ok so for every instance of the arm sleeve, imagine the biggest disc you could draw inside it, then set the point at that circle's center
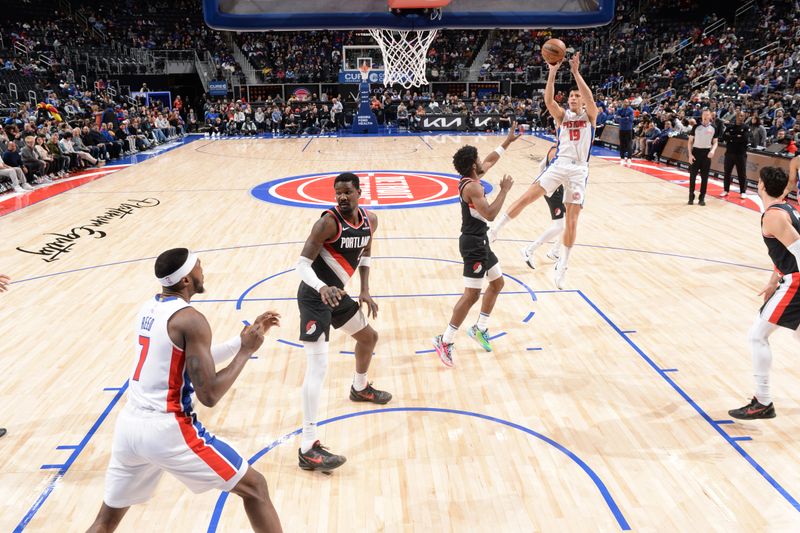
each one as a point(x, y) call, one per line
point(307, 274)
point(222, 352)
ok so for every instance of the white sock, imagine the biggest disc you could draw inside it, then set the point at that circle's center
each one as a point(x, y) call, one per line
point(483, 321)
point(502, 221)
point(758, 337)
point(551, 232)
point(449, 334)
point(317, 363)
point(562, 261)
point(360, 381)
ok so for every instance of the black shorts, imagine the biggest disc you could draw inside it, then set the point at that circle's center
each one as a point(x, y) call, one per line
point(478, 256)
point(317, 318)
point(783, 307)
point(556, 203)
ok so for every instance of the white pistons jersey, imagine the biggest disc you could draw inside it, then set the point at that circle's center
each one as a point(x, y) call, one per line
point(159, 381)
point(575, 136)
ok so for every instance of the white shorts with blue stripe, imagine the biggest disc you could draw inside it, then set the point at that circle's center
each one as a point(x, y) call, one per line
point(147, 444)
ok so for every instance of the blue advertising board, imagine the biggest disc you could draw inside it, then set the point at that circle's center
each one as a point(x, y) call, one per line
point(218, 88)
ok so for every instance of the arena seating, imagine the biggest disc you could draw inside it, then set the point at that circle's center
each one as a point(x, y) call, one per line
point(669, 57)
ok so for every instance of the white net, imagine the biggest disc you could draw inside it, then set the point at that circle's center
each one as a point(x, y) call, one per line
point(404, 53)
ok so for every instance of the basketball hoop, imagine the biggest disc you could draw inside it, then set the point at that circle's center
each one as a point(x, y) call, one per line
point(405, 51)
point(364, 68)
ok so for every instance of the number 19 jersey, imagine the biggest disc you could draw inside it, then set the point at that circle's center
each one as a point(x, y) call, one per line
point(575, 136)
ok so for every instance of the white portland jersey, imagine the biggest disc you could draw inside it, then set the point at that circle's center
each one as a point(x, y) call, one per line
point(159, 381)
point(575, 136)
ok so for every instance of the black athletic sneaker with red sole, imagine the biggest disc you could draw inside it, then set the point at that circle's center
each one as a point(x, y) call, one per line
point(753, 410)
point(319, 458)
point(370, 394)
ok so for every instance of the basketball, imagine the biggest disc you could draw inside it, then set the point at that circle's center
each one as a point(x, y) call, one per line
point(554, 51)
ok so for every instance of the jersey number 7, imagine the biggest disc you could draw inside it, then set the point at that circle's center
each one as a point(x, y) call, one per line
point(144, 342)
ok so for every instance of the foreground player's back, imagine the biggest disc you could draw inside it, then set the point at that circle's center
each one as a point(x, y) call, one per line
point(159, 382)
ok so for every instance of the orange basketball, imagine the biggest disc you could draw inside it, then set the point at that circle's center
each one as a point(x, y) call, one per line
point(554, 51)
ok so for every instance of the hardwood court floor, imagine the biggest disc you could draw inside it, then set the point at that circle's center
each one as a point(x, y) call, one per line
point(593, 414)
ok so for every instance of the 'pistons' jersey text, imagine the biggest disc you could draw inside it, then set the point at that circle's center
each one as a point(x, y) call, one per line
point(159, 381)
point(339, 257)
point(575, 136)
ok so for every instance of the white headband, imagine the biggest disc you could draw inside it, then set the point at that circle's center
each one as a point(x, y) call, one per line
point(183, 271)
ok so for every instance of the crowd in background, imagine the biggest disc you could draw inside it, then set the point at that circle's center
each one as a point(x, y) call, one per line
point(690, 70)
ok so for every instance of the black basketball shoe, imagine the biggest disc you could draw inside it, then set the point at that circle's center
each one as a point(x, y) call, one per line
point(370, 394)
point(753, 410)
point(319, 458)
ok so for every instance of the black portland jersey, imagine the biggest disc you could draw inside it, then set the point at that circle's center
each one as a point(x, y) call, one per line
point(338, 259)
point(472, 223)
point(783, 259)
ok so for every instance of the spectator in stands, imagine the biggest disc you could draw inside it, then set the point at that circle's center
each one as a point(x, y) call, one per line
point(115, 147)
point(15, 175)
point(163, 125)
point(402, 115)
point(310, 121)
point(159, 134)
point(238, 117)
point(260, 120)
point(249, 127)
point(788, 121)
point(624, 118)
point(337, 113)
point(31, 159)
point(758, 134)
point(661, 141)
point(230, 128)
point(743, 88)
point(652, 133)
point(602, 118)
point(777, 125)
point(137, 128)
point(780, 138)
point(177, 126)
point(54, 168)
point(67, 147)
point(191, 120)
point(91, 138)
point(639, 136)
point(122, 134)
point(54, 148)
point(290, 126)
point(735, 138)
point(218, 127)
point(80, 146)
point(62, 162)
point(277, 120)
point(377, 107)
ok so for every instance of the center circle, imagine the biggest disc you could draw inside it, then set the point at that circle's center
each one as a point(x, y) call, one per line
point(380, 189)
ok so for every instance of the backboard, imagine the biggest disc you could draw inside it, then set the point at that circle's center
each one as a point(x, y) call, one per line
point(260, 15)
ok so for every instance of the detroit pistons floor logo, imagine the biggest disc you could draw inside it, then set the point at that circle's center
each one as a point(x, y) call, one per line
point(380, 189)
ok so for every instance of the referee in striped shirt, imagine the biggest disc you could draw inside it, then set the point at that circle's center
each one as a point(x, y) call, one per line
point(702, 145)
